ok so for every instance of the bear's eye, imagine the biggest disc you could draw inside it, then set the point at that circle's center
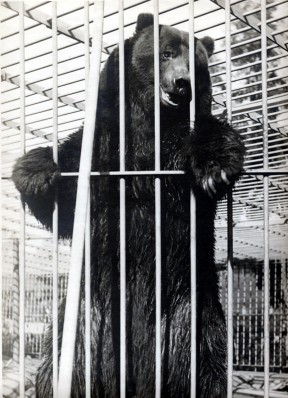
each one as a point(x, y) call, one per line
point(167, 54)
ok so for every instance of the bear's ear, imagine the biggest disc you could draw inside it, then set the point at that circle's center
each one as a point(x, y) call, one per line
point(208, 43)
point(143, 21)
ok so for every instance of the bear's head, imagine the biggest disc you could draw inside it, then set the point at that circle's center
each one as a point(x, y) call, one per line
point(175, 85)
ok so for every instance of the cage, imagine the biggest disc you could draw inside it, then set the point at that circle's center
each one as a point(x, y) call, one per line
point(44, 72)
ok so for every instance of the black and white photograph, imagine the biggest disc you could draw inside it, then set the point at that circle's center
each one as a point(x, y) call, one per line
point(144, 199)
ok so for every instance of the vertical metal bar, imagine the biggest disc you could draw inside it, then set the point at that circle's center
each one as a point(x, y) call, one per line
point(229, 213)
point(157, 85)
point(193, 295)
point(238, 322)
point(88, 303)
point(285, 342)
point(256, 315)
point(282, 309)
point(192, 61)
point(250, 312)
point(1, 257)
point(230, 296)
point(73, 291)
point(22, 211)
point(244, 311)
point(157, 204)
point(266, 198)
point(88, 226)
point(55, 212)
point(122, 203)
point(275, 315)
point(193, 360)
point(15, 301)
point(262, 316)
point(1, 272)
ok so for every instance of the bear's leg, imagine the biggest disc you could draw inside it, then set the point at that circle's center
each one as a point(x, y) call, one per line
point(212, 379)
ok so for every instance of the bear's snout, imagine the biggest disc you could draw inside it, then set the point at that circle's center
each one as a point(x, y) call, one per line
point(182, 85)
point(177, 90)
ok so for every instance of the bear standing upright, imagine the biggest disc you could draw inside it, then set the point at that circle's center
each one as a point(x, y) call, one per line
point(211, 155)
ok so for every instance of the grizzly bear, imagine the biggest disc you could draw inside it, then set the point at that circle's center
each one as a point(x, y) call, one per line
point(211, 154)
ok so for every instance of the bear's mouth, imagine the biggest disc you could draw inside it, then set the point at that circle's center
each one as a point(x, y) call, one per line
point(172, 100)
point(169, 99)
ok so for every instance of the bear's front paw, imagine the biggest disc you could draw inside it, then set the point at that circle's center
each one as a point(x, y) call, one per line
point(36, 173)
point(216, 180)
point(217, 156)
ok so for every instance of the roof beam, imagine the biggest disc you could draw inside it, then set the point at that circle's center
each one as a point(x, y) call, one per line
point(46, 20)
point(250, 243)
point(36, 133)
point(248, 109)
point(253, 22)
point(35, 88)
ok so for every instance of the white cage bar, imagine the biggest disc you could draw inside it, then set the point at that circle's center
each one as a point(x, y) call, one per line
point(87, 227)
point(55, 212)
point(22, 212)
point(193, 254)
point(266, 200)
point(157, 203)
point(73, 291)
point(1, 256)
point(229, 212)
point(122, 203)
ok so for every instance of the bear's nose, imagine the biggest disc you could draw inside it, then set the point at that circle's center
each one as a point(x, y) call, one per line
point(183, 84)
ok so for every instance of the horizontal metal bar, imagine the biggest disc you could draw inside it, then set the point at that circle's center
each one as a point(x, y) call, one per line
point(265, 172)
point(169, 172)
point(163, 173)
point(127, 173)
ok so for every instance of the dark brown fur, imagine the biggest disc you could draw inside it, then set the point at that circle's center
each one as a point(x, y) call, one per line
point(203, 152)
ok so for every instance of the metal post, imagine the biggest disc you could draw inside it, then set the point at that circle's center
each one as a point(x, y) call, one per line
point(55, 212)
point(22, 211)
point(193, 361)
point(73, 291)
point(1, 257)
point(15, 300)
point(88, 226)
point(230, 299)
point(229, 212)
point(266, 199)
point(157, 204)
point(122, 204)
